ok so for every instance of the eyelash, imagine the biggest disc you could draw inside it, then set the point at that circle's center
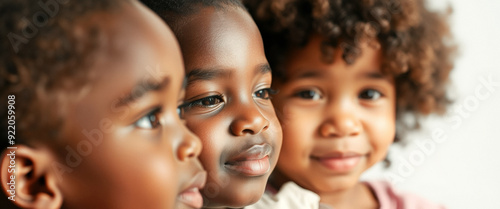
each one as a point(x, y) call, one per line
point(370, 94)
point(152, 118)
point(213, 101)
point(180, 112)
point(203, 102)
point(308, 94)
point(268, 92)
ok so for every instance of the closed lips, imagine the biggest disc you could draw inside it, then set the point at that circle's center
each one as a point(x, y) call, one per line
point(338, 155)
point(191, 196)
point(339, 162)
point(253, 161)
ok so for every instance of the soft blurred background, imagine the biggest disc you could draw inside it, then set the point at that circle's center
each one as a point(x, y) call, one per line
point(462, 171)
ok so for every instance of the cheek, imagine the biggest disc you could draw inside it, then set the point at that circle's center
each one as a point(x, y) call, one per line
point(156, 172)
point(210, 154)
point(206, 129)
point(382, 131)
point(275, 131)
point(212, 135)
point(159, 175)
point(163, 171)
point(161, 167)
point(298, 136)
point(290, 115)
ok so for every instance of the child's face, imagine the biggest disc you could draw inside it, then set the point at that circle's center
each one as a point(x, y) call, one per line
point(228, 105)
point(126, 146)
point(338, 120)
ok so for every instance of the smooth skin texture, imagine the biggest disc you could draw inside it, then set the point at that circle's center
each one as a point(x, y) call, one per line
point(144, 156)
point(228, 103)
point(338, 120)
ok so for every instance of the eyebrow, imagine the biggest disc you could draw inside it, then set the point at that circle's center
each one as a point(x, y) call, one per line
point(213, 73)
point(263, 69)
point(184, 82)
point(204, 74)
point(316, 74)
point(141, 89)
point(374, 75)
point(308, 74)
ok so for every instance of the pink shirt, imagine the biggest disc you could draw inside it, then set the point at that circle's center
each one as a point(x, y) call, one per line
point(388, 198)
point(292, 196)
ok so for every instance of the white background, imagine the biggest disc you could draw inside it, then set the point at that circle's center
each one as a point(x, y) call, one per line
point(463, 171)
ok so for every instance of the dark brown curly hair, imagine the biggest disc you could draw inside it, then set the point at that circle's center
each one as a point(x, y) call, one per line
point(44, 62)
point(416, 43)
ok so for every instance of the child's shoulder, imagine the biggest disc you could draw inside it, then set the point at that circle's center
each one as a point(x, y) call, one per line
point(289, 196)
point(390, 198)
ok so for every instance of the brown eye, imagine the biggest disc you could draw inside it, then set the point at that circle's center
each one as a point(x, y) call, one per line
point(180, 112)
point(149, 121)
point(206, 102)
point(264, 93)
point(210, 101)
point(308, 94)
point(370, 94)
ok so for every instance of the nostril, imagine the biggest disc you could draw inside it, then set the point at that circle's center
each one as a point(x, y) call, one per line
point(248, 131)
point(328, 130)
point(265, 128)
point(187, 150)
point(191, 155)
point(249, 122)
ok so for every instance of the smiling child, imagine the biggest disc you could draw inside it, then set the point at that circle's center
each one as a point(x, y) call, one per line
point(94, 128)
point(346, 72)
point(227, 97)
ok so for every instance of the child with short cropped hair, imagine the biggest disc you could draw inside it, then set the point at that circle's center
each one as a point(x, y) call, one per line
point(227, 97)
point(96, 87)
point(346, 72)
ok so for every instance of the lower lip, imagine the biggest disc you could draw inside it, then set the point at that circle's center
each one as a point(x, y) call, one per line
point(192, 198)
point(341, 165)
point(256, 167)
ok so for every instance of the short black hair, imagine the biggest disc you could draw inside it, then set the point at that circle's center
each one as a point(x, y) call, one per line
point(43, 56)
point(188, 7)
point(173, 12)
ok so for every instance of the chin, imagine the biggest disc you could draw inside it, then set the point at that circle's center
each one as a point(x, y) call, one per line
point(238, 195)
point(230, 203)
point(336, 184)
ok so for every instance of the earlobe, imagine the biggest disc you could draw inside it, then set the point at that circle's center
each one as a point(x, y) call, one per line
point(32, 182)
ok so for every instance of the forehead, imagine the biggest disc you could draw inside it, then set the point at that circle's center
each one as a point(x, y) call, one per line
point(219, 36)
point(304, 61)
point(134, 39)
point(144, 53)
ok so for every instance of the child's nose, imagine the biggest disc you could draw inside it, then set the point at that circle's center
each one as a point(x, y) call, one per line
point(248, 120)
point(341, 121)
point(190, 146)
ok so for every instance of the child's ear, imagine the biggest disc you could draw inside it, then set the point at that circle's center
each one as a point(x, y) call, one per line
point(35, 182)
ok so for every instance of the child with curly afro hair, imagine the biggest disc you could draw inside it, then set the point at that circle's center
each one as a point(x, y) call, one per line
point(347, 72)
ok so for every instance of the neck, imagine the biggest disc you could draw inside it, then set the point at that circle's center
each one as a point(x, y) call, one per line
point(361, 193)
point(338, 199)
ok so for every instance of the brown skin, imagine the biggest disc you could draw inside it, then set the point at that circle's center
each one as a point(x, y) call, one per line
point(141, 162)
point(327, 108)
point(231, 110)
point(417, 46)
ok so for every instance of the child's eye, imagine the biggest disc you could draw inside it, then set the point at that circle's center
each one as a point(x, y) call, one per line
point(149, 121)
point(180, 112)
point(206, 102)
point(370, 94)
point(309, 94)
point(264, 93)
